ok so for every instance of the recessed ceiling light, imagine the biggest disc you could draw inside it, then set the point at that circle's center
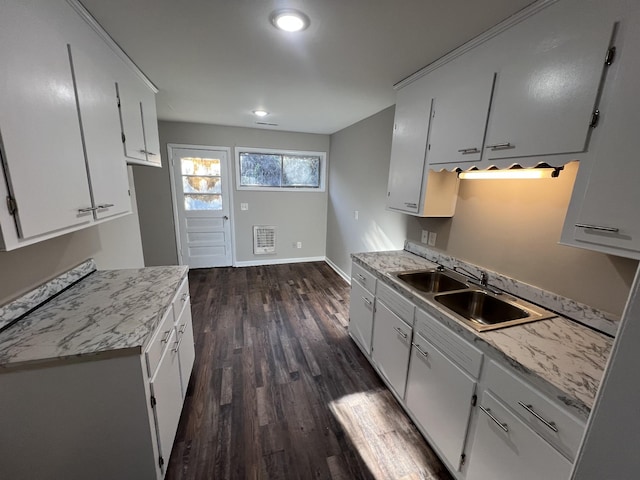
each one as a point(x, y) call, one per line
point(289, 20)
point(260, 113)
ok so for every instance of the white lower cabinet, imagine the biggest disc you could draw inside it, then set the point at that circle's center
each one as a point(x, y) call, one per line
point(391, 345)
point(361, 316)
point(504, 448)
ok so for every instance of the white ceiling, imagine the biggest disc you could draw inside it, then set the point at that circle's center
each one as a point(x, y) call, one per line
point(215, 61)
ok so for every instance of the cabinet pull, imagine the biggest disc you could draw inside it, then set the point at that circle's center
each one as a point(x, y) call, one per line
point(598, 227)
point(105, 205)
point(420, 351)
point(367, 301)
point(86, 210)
point(182, 328)
point(177, 344)
point(362, 278)
point(147, 152)
point(399, 330)
point(503, 426)
point(467, 151)
point(185, 297)
point(500, 146)
point(411, 205)
point(165, 339)
point(529, 408)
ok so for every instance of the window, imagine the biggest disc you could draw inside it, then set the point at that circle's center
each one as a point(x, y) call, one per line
point(278, 170)
point(201, 183)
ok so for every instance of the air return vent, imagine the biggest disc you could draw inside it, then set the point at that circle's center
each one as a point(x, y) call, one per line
point(264, 239)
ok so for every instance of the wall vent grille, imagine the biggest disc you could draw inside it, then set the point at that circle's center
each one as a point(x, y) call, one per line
point(264, 239)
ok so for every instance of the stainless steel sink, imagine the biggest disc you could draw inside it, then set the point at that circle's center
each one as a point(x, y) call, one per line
point(431, 281)
point(485, 311)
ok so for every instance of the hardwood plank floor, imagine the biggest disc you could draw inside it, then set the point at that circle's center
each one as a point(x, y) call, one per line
point(280, 391)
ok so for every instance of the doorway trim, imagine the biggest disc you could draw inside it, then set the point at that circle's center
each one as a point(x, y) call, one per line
point(174, 199)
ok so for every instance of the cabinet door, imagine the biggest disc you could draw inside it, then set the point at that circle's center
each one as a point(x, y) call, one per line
point(361, 316)
point(439, 395)
point(390, 349)
point(93, 63)
point(42, 145)
point(517, 452)
point(459, 119)
point(129, 98)
point(543, 103)
point(150, 127)
point(185, 346)
point(408, 147)
point(165, 388)
point(610, 202)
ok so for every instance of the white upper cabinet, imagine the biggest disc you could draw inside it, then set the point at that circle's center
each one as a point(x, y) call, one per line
point(42, 144)
point(603, 211)
point(459, 118)
point(544, 100)
point(139, 121)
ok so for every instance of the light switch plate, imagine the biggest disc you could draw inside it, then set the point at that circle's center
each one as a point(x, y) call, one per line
point(244, 206)
point(425, 236)
point(432, 239)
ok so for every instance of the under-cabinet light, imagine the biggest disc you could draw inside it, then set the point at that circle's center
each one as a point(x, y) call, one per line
point(512, 173)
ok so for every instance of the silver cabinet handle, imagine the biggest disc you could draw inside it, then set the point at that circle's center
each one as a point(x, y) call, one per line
point(86, 210)
point(367, 301)
point(420, 351)
point(597, 227)
point(147, 152)
point(362, 278)
point(500, 146)
point(399, 330)
point(529, 408)
point(467, 151)
point(182, 328)
point(167, 334)
point(503, 426)
point(105, 205)
point(177, 347)
point(411, 205)
point(185, 297)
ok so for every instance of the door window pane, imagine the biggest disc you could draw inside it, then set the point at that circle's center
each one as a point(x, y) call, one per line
point(202, 202)
point(200, 166)
point(201, 184)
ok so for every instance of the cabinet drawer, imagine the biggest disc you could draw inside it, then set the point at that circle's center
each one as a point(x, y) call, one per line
point(460, 351)
point(181, 299)
point(524, 399)
point(363, 277)
point(396, 302)
point(159, 342)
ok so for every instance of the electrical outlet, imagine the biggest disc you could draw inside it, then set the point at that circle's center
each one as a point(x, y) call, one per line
point(356, 214)
point(432, 239)
point(299, 245)
point(425, 236)
point(244, 206)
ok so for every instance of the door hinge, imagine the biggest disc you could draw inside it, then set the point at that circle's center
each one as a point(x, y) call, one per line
point(474, 400)
point(595, 118)
point(463, 458)
point(160, 461)
point(12, 205)
point(124, 138)
point(153, 401)
point(610, 57)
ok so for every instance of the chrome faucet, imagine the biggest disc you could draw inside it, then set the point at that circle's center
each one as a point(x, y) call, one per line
point(482, 280)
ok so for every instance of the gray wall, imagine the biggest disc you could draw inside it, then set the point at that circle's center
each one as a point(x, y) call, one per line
point(114, 244)
point(300, 217)
point(510, 227)
point(358, 182)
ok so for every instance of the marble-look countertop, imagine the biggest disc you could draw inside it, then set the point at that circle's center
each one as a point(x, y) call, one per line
point(558, 356)
point(108, 312)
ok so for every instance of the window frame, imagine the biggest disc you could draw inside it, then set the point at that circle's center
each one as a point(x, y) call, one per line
point(277, 151)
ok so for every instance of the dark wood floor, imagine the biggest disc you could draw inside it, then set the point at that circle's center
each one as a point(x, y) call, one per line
point(280, 391)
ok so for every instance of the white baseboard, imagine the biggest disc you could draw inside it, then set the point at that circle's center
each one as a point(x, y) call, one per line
point(338, 270)
point(278, 261)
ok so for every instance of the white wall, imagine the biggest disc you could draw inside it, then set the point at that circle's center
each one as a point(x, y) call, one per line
point(358, 175)
point(299, 216)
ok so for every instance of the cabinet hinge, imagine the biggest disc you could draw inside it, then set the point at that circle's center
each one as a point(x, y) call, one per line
point(153, 401)
point(124, 138)
point(595, 118)
point(474, 400)
point(610, 57)
point(463, 458)
point(160, 461)
point(12, 205)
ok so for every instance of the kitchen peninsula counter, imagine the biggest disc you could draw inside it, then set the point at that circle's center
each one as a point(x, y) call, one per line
point(560, 357)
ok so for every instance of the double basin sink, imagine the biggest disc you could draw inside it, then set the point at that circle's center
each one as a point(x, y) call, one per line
point(472, 304)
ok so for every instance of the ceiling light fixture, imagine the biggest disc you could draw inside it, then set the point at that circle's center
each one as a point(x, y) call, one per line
point(543, 171)
point(260, 113)
point(289, 20)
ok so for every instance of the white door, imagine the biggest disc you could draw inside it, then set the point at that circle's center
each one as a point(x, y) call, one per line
point(201, 180)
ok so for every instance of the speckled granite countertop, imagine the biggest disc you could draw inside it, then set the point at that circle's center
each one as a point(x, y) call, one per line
point(108, 312)
point(558, 356)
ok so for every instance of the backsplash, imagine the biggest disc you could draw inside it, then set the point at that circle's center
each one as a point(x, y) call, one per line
point(602, 321)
